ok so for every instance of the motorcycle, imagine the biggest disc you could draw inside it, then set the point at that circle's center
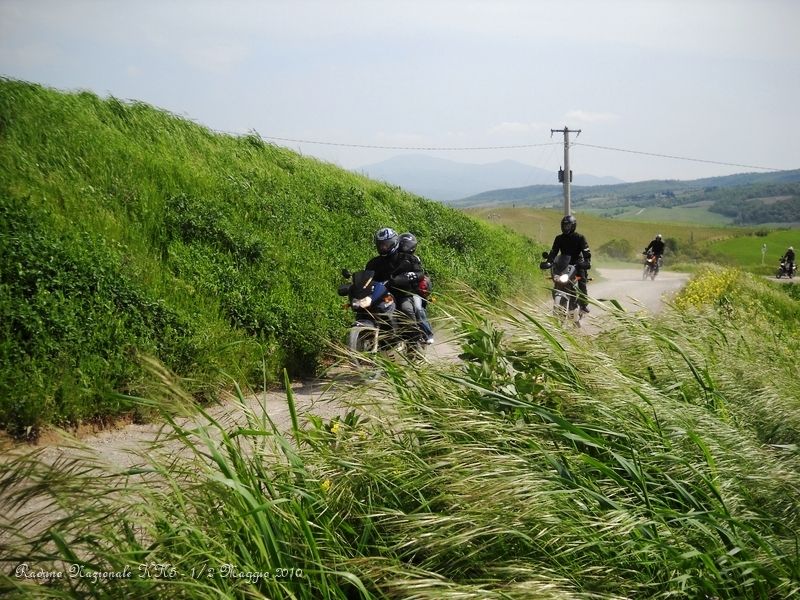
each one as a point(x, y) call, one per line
point(379, 325)
point(784, 269)
point(565, 288)
point(651, 265)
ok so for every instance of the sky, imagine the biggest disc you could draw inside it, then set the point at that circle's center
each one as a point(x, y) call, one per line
point(480, 81)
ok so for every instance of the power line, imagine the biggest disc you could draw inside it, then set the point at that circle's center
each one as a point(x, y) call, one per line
point(516, 147)
point(266, 137)
point(713, 162)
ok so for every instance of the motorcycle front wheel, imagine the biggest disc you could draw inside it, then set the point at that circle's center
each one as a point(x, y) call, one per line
point(363, 339)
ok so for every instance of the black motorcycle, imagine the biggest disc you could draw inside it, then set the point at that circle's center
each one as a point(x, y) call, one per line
point(565, 288)
point(379, 326)
point(785, 269)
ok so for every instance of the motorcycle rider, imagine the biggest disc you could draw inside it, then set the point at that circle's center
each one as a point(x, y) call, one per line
point(396, 270)
point(788, 260)
point(407, 252)
point(573, 244)
point(657, 246)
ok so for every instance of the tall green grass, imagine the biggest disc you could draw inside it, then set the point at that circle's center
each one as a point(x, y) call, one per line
point(127, 230)
point(658, 459)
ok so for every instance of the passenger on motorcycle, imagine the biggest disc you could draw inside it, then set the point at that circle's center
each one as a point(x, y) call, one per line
point(788, 259)
point(395, 269)
point(407, 252)
point(572, 243)
point(657, 246)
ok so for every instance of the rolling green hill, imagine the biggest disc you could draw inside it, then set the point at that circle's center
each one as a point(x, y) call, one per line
point(745, 251)
point(743, 199)
point(686, 241)
point(686, 244)
point(125, 230)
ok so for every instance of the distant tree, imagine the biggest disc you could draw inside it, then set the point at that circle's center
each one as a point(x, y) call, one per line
point(671, 245)
point(619, 249)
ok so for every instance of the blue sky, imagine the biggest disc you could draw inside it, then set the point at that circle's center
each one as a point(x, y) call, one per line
point(715, 80)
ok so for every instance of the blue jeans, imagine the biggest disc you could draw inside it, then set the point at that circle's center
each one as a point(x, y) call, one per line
point(422, 315)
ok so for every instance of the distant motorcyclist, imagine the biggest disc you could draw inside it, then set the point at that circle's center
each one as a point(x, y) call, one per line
point(788, 260)
point(573, 244)
point(657, 246)
point(395, 269)
point(407, 252)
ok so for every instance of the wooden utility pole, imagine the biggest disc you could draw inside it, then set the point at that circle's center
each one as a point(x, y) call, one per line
point(565, 175)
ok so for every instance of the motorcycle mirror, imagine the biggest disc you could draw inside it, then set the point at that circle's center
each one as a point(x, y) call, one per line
point(346, 274)
point(544, 255)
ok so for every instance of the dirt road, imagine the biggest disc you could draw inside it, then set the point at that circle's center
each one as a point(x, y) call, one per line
point(627, 286)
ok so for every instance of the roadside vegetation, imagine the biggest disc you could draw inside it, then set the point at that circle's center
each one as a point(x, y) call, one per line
point(127, 231)
point(658, 459)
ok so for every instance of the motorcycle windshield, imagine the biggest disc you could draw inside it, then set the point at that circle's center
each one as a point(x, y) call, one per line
point(561, 264)
point(362, 284)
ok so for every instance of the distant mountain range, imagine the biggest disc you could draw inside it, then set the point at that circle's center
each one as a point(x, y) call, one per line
point(446, 180)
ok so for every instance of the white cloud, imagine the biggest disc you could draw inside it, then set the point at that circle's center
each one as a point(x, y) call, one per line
point(584, 116)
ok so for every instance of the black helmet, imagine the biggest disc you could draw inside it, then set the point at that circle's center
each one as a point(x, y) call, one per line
point(568, 224)
point(408, 242)
point(386, 241)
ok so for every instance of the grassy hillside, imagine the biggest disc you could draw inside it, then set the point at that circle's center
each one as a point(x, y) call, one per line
point(689, 215)
point(125, 230)
point(657, 460)
point(745, 251)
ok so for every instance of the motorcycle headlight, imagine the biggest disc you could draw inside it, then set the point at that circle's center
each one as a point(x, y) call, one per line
point(362, 303)
point(564, 278)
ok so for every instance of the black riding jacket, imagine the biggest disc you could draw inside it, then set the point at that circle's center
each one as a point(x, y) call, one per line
point(573, 244)
point(657, 246)
point(789, 256)
point(393, 269)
